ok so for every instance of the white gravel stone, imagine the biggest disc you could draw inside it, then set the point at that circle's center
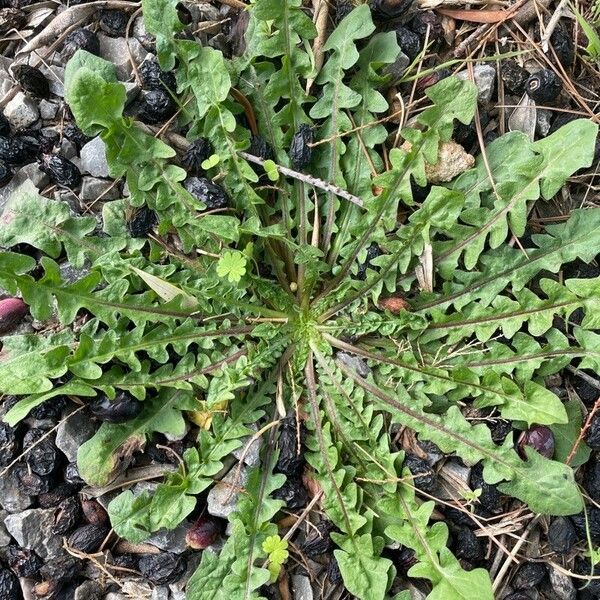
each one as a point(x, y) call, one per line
point(21, 111)
point(251, 457)
point(484, 77)
point(93, 158)
point(116, 51)
point(223, 497)
point(48, 110)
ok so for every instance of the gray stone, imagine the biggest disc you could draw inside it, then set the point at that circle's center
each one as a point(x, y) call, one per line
point(203, 11)
point(222, 498)
point(132, 90)
point(160, 593)
point(93, 158)
point(397, 68)
point(32, 529)
point(21, 111)
point(252, 456)
point(561, 587)
point(12, 499)
point(48, 110)
point(93, 188)
point(543, 122)
point(484, 77)
point(68, 149)
point(90, 590)
point(74, 431)
point(170, 540)
point(192, 564)
point(5, 539)
point(301, 588)
point(71, 274)
point(117, 51)
point(354, 362)
point(116, 596)
point(55, 76)
point(140, 33)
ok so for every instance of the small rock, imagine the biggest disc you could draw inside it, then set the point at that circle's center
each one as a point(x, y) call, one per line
point(544, 121)
point(301, 588)
point(222, 498)
point(132, 90)
point(202, 12)
point(117, 51)
point(48, 110)
point(21, 111)
point(55, 76)
point(561, 587)
point(160, 593)
point(93, 188)
point(71, 274)
point(398, 67)
point(116, 596)
point(170, 540)
point(12, 498)
point(68, 149)
point(90, 590)
point(32, 529)
point(354, 362)
point(452, 161)
point(5, 539)
point(140, 33)
point(252, 456)
point(93, 158)
point(484, 77)
point(73, 432)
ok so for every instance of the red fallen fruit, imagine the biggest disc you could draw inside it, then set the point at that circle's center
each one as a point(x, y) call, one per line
point(203, 533)
point(394, 304)
point(12, 310)
point(540, 438)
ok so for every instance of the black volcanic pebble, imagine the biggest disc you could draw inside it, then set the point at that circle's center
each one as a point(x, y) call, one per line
point(156, 106)
point(153, 77)
point(293, 493)
point(562, 535)
point(32, 80)
point(260, 148)
point(424, 20)
point(319, 541)
point(409, 42)
point(161, 569)
point(4, 125)
point(142, 222)
point(123, 408)
point(373, 251)
point(390, 9)
point(13, 150)
point(75, 135)
point(467, 545)
point(342, 9)
point(300, 149)
point(41, 454)
point(423, 474)
point(529, 575)
point(513, 76)
point(60, 170)
point(10, 588)
point(562, 42)
point(114, 22)
point(593, 520)
point(592, 435)
point(51, 409)
point(23, 562)
point(289, 462)
point(591, 478)
point(543, 86)
point(203, 189)
point(80, 39)
point(9, 443)
point(72, 474)
point(490, 497)
point(198, 151)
